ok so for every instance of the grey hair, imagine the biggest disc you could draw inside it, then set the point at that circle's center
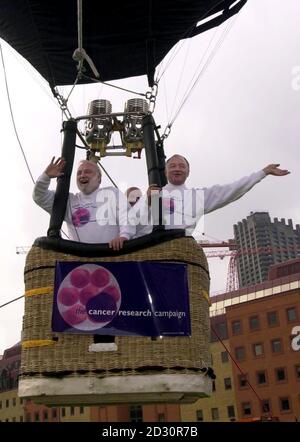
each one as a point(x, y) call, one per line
point(178, 155)
point(92, 162)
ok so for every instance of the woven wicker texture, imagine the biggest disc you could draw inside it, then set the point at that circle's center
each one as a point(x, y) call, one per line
point(135, 355)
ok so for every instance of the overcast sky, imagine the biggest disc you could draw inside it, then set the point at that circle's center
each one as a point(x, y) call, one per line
point(243, 114)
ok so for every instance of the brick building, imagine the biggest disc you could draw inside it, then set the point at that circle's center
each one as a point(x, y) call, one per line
point(263, 324)
point(11, 407)
point(221, 406)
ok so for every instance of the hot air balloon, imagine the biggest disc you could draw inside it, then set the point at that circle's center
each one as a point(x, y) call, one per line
point(72, 43)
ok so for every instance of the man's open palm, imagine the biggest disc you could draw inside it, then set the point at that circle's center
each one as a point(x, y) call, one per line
point(55, 168)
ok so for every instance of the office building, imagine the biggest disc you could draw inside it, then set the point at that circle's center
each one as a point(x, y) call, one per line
point(262, 243)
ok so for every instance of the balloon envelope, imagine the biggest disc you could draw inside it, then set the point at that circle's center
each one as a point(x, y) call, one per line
point(123, 38)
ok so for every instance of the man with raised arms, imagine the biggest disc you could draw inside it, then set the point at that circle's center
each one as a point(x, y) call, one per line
point(183, 207)
point(94, 214)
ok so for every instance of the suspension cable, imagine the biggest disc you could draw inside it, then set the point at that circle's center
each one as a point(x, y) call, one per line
point(12, 300)
point(75, 82)
point(12, 116)
point(79, 23)
point(14, 124)
point(237, 365)
point(185, 37)
point(95, 80)
point(80, 54)
point(201, 72)
point(107, 174)
point(99, 163)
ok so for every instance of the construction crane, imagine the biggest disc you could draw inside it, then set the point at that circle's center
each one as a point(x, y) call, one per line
point(232, 282)
point(22, 249)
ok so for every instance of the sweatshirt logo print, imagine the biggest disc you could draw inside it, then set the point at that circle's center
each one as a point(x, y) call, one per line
point(169, 205)
point(81, 217)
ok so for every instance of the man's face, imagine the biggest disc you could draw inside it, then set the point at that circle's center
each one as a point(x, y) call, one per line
point(177, 170)
point(88, 177)
point(133, 195)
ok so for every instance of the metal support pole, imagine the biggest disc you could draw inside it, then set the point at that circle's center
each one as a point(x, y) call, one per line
point(63, 182)
point(152, 168)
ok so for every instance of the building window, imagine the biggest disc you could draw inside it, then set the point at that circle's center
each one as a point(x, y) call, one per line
point(276, 346)
point(0, 405)
point(297, 368)
point(284, 404)
point(280, 374)
point(21, 401)
point(7, 403)
point(224, 356)
point(230, 411)
point(227, 384)
point(243, 382)
point(213, 385)
point(81, 410)
point(199, 415)
point(27, 417)
point(265, 406)
point(72, 411)
point(14, 401)
point(63, 412)
point(240, 353)
point(136, 413)
point(236, 327)
point(13, 419)
point(45, 415)
point(272, 318)
point(291, 314)
point(254, 323)
point(215, 414)
point(246, 409)
point(258, 349)
point(54, 413)
point(261, 377)
point(161, 417)
point(221, 329)
point(36, 416)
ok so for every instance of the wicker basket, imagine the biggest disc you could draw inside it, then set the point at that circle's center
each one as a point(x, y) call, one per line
point(58, 368)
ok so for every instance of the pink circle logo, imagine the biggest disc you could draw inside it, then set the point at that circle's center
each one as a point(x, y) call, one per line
point(169, 205)
point(89, 297)
point(80, 217)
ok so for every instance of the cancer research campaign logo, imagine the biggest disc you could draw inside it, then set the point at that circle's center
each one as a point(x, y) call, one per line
point(129, 298)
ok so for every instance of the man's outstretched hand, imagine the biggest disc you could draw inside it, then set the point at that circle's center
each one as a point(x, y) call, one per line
point(117, 243)
point(273, 169)
point(55, 168)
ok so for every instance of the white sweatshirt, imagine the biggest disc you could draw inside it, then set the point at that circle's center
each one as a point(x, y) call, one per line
point(95, 218)
point(183, 207)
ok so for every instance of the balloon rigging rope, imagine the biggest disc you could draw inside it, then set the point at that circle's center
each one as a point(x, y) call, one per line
point(194, 80)
point(13, 121)
point(113, 85)
point(79, 23)
point(237, 365)
point(187, 35)
point(213, 53)
point(12, 116)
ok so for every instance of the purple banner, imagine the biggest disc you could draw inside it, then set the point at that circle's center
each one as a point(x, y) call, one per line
point(121, 299)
